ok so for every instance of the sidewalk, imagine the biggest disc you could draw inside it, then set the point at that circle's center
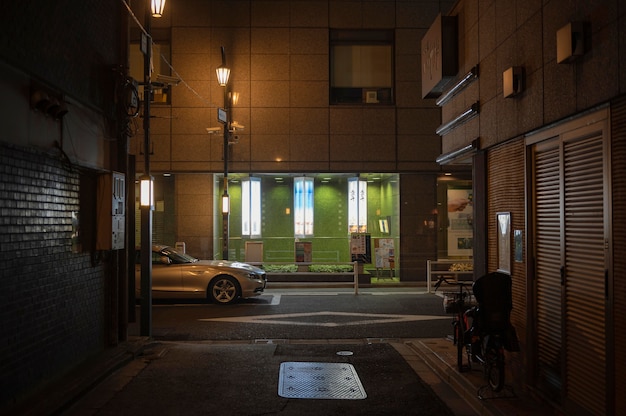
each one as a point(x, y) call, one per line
point(433, 360)
point(440, 356)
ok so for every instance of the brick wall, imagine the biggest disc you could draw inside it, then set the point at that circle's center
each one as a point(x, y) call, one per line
point(52, 299)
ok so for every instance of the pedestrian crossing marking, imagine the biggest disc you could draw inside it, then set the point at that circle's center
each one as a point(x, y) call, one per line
point(326, 319)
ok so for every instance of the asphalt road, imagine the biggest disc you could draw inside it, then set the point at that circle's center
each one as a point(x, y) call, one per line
point(189, 378)
point(288, 352)
point(305, 314)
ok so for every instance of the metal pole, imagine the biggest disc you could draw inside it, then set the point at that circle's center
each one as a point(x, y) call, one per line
point(146, 211)
point(225, 215)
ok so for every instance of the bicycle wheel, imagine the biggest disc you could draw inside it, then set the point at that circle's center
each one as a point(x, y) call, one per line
point(467, 343)
point(494, 368)
point(458, 334)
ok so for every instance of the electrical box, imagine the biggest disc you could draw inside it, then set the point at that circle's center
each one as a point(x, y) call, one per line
point(111, 211)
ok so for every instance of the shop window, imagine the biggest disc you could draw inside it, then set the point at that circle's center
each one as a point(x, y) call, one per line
point(303, 207)
point(251, 207)
point(361, 67)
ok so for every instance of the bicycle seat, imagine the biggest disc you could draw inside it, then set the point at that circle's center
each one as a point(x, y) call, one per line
point(495, 300)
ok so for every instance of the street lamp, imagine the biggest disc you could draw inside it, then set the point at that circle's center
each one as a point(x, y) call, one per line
point(157, 7)
point(147, 184)
point(223, 74)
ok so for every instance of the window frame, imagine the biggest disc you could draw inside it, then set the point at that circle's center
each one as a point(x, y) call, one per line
point(364, 94)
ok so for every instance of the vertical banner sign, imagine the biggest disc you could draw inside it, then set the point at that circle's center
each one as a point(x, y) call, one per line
point(357, 205)
point(303, 206)
point(251, 207)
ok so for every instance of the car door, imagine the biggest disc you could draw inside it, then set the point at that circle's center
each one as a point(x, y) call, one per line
point(196, 277)
point(166, 277)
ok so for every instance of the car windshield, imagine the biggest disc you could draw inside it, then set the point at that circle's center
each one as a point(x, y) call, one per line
point(177, 257)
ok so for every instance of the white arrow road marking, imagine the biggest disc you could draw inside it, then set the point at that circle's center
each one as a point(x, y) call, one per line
point(290, 319)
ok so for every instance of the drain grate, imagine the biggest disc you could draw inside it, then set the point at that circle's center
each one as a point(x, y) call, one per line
point(305, 380)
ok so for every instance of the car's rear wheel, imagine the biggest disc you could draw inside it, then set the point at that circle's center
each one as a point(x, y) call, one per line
point(223, 289)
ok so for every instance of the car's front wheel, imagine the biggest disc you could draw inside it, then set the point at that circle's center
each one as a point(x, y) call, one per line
point(223, 289)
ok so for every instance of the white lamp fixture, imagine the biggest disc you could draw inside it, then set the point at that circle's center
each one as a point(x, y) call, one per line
point(223, 73)
point(147, 191)
point(225, 203)
point(157, 7)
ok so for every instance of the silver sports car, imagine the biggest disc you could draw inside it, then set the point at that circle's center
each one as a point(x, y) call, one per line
point(179, 275)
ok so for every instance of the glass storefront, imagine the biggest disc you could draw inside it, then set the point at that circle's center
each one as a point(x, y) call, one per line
point(336, 207)
point(313, 208)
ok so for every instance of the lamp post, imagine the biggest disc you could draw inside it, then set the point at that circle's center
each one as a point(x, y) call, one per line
point(147, 181)
point(223, 74)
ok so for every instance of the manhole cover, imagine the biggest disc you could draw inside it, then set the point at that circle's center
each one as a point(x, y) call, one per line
point(304, 380)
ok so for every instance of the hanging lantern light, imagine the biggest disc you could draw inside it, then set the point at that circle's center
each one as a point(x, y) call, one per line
point(157, 7)
point(223, 73)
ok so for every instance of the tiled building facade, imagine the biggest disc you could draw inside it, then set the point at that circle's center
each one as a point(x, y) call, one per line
point(278, 52)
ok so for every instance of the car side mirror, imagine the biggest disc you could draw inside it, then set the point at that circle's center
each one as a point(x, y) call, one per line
point(166, 260)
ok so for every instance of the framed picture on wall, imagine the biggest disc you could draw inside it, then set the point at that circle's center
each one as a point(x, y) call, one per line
point(503, 224)
point(460, 214)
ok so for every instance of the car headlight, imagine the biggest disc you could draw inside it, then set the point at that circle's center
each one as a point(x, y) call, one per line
point(253, 276)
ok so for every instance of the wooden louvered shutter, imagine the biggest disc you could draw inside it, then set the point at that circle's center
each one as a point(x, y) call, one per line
point(584, 285)
point(547, 216)
point(570, 244)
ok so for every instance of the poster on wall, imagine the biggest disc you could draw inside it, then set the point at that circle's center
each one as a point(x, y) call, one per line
point(503, 222)
point(385, 254)
point(460, 222)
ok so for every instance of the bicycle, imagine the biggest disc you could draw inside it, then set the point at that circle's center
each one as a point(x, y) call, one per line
point(487, 348)
point(493, 362)
point(491, 332)
point(454, 302)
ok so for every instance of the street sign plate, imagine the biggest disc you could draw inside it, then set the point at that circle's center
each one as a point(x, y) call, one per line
point(222, 117)
point(144, 44)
